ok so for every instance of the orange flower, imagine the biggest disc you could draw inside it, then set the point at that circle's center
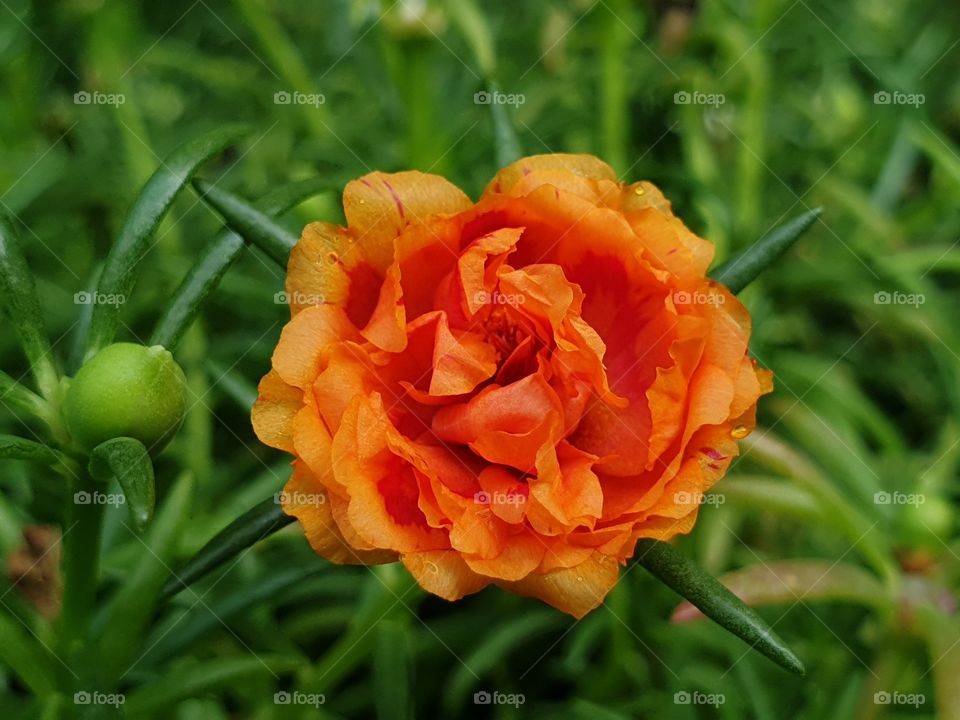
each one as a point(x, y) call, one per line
point(508, 392)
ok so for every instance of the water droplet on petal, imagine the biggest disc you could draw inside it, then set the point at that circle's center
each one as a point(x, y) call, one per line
point(740, 431)
point(333, 258)
point(638, 190)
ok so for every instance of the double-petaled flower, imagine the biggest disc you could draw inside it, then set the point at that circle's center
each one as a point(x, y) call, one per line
point(507, 392)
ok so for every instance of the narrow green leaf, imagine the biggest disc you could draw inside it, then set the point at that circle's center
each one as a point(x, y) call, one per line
point(254, 525)
point(81, 330)
point(506, 144)
point(25, 656)
point(18, 297)
point(183, 626)
point(120, 270)
point(790, 580)
point(18, 448)
point(243, 218)
point(18, 398)
point(665, 563)
point(197, 679)
point(200, 281)
point(217, 257)
point(233, 385)
point(740, 271)
point(127, 461)
point(133, 604)
point(391, 670)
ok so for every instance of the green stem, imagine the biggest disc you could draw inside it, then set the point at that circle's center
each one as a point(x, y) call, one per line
point(81, 550)
point(418, 92)
point(613, 84)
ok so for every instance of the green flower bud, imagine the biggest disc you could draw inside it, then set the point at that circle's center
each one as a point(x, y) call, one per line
point(126, 390)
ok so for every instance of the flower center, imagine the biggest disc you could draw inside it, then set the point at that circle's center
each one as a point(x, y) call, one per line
point(503, 333)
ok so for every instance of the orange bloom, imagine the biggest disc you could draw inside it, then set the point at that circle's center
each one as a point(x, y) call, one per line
point(512, 391)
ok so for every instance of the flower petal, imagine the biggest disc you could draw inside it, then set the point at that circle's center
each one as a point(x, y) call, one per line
point(444, 573)
point(380, 205)
point(274, 410)
point(305, 498)
point(576, 590)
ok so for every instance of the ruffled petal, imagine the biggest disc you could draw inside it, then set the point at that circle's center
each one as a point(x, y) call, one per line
point(576, 590)
point(274, 410)
point(305, 498)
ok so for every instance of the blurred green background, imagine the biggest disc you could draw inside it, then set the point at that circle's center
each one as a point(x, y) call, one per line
point(745, 114)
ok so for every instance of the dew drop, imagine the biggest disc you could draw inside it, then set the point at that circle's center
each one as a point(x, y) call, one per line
point(333, 258)
point(739, 432)
point(638, 190)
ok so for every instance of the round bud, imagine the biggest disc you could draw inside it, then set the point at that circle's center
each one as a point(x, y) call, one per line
point(126, 390)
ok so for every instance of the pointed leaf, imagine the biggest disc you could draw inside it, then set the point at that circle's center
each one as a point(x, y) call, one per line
point(18, 448)
point(665, 563)
point(18, 298)
point(126, 460)
point(793, 580)
point(254, 525)
point(217, 257)
point(243, 218)
point(740, 271)
point(120, 270)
